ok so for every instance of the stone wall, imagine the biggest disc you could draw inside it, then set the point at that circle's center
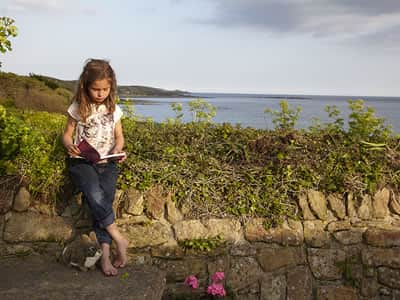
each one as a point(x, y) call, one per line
point(342, 248)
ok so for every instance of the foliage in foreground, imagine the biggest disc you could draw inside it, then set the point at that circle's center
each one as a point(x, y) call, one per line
point(220, 169)
point(7, 30)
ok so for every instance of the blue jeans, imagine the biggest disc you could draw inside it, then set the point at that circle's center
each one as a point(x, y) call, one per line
point(97, 182)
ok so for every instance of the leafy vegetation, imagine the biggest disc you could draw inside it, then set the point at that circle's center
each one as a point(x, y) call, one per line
point(31, 149)
point(203, 245)
point(7, 30)
point(220, 169)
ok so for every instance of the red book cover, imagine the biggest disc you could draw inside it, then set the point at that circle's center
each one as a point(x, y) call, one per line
point(92, 155)
point(88, 151)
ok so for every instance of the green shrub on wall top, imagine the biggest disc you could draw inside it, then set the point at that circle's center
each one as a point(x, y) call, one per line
point(30, 149)
point(286, 118)
point(218, 169)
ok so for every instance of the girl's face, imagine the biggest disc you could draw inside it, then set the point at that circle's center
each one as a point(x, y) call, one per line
point(99, 90)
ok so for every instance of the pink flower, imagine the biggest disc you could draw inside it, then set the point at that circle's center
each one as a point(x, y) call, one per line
point(218, 276)
point(216, 289)
point(192, 281)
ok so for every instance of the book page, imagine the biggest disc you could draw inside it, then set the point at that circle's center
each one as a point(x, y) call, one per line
point(90, 153)
point(115, 155)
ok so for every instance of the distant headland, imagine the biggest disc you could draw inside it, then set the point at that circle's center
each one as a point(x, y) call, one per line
point(126, 91)
point(40, 92)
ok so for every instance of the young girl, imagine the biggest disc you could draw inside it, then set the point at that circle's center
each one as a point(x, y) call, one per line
point(94, 116)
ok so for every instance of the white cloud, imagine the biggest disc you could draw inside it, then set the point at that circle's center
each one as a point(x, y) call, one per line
point(323, 18)
point(37, 5)
point(8, 7)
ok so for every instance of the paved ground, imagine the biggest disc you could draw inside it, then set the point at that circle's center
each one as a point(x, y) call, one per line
point(40, 277)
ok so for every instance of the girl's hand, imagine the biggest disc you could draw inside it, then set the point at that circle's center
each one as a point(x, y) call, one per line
point(114, 151)
point(73, 150)
point(121, 159)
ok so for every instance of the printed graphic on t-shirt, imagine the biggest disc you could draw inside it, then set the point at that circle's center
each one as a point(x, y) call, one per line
point(98, 131)
point(99, 127)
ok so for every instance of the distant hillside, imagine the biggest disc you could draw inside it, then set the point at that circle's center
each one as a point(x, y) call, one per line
point(124, 90)
point(145, 91)
point(39, 92)
point(30, 92)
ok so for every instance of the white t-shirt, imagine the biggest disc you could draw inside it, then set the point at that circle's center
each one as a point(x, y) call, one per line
point(99, 127)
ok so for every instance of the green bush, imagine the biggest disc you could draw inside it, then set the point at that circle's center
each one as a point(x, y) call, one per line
point(219, 169)
point(30, 148)
point(286, 118)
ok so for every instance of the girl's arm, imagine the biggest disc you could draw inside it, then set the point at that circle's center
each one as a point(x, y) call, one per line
point(119, 140)
point(67, 137)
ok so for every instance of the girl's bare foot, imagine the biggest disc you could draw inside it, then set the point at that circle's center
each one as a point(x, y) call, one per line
point(121, 258)
point(122, 245)
point(107, 267)
point(105, 262)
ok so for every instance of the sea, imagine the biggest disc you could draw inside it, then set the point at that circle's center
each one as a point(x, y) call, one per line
point(248, 110)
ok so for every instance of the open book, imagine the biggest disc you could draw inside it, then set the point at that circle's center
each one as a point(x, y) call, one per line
point(92, 155)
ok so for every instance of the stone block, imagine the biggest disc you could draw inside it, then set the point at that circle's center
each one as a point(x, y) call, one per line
point(174, 215)
point(318, 204)
point(243, 249)
point(152, 234)
point(244, 272)
point(117, 202)
point(389, 277)
point(382, 237)
point(229, 229)
point(349, 237)
point(374, 257)
point(139, 258)
point(315, 235)
point(338, 226)
point(178, 270)
point(294, 235)
point(299, 283)
point(305, 208)
point(33, 227)
point(155, 202)
point(336, 292)
point(380, 203)
point(273, 287)
point(394, 203)
point(351, 208)
point(336, 204)
point(170, 252)
point(325, 263)
point(272, 259)
point(6, 200)
point(134, 202)
point(254, 231)
point(365, 209)
point(369, 287)
point(22, 200)
point(189, 230)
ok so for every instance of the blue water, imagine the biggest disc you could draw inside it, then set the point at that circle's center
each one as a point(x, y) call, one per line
point(248, 109)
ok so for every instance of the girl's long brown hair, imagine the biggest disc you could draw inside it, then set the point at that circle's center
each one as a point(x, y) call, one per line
point(94, 69)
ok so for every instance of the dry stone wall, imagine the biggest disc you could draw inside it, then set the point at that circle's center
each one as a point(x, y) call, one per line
point(340, 248)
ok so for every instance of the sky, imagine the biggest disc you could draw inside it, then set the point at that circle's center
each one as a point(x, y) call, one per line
point(316, 47)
